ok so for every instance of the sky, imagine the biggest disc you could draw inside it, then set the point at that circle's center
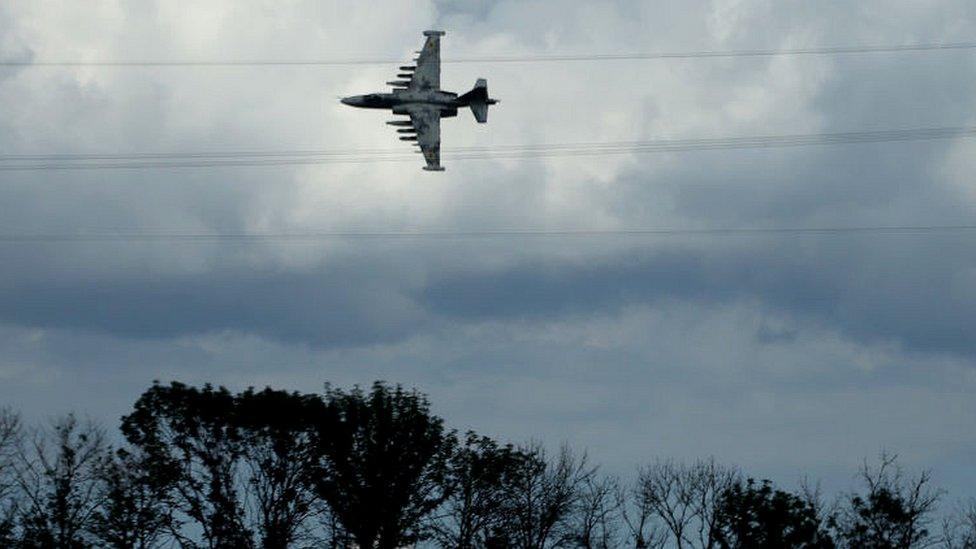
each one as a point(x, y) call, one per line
point(790, 355)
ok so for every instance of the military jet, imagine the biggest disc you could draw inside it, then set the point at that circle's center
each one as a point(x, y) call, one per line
point(420, 97)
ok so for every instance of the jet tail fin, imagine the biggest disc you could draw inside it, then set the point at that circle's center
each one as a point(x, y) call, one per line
point(480, 111)
point(478, 100)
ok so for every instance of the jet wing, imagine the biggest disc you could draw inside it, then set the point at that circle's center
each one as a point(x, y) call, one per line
point(427, 76)
point(426, 121)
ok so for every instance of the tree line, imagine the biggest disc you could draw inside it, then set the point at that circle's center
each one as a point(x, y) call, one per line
point(205, 467)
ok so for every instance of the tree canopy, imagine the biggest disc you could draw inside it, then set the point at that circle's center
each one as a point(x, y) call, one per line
point(205, 467)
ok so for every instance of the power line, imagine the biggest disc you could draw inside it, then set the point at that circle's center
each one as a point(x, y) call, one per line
point(866, 136)
point(540, 58)
point(101, 161)
point(478, 234)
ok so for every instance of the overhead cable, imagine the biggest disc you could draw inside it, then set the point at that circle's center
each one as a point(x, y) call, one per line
point(529, 58)
point(216, 159)
point(144, 236)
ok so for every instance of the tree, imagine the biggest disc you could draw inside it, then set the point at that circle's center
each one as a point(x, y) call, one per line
point(959, 529)
point(643, 528)
point(541, 496)
point(384, 465)
point(595, 518)
point(894, 513)
point(334, 535)
point(193, 447)
point(479, 473)
point(136, 507)
point(280, 453)
point(754, 515)
point(637, 512)
point(685, 498)
point(10, 439)
point(57, 473)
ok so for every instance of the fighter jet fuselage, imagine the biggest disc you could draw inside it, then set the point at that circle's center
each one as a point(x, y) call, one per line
point(445, 100)
point(420, 97)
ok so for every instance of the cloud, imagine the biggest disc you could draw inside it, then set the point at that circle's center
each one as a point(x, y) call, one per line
point(858, 288)
point(337, 308)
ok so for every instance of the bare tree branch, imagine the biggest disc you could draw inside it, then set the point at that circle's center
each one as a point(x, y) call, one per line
point(684, 498)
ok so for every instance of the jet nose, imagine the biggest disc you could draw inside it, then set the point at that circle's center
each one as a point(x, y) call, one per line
point(352, 100)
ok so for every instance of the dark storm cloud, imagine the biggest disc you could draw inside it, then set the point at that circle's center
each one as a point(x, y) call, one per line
point(860, 286)
point(328, 307)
